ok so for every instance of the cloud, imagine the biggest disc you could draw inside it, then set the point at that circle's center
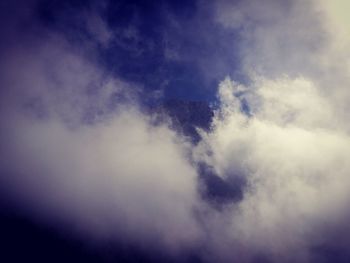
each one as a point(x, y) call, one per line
point(82, 157)
point(285, 131)
point(119, 177)
point(294, 38)
point(275, 36)
point(82, 154)
point(294, 160)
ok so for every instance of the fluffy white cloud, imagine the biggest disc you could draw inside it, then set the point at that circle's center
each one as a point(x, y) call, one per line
point(293, 156)
point(121, 176)
point(275, 36)
point(79, 155)
point(79, 150)
point(295, 38)
point(286, 130)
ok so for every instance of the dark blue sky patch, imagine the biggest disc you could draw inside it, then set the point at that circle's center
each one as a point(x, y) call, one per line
point(175, 53)
point(165, 46)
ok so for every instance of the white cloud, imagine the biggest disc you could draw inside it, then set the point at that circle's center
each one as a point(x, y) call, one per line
point(77, 155)
point(295, 38)
point(293, 156)
point(115, 176)
point(121, 176)
point(275, 36)
point(293, 145)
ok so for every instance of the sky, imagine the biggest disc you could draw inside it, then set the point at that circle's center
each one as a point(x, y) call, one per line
point(170, 131)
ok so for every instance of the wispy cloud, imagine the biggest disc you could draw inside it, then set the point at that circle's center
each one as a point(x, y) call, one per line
point(81, 151)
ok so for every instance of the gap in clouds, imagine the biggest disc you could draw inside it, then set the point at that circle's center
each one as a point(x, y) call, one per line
point(172, 52)
point(96, 152)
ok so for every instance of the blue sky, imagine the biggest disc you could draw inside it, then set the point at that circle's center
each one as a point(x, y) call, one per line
point(170, 131)
point(177, 49)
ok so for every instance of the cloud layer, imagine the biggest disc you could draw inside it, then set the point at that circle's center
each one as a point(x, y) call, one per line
point(83, 155)
point(293, 157)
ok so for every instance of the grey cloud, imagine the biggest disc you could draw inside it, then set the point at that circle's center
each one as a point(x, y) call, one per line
point(81, 152)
